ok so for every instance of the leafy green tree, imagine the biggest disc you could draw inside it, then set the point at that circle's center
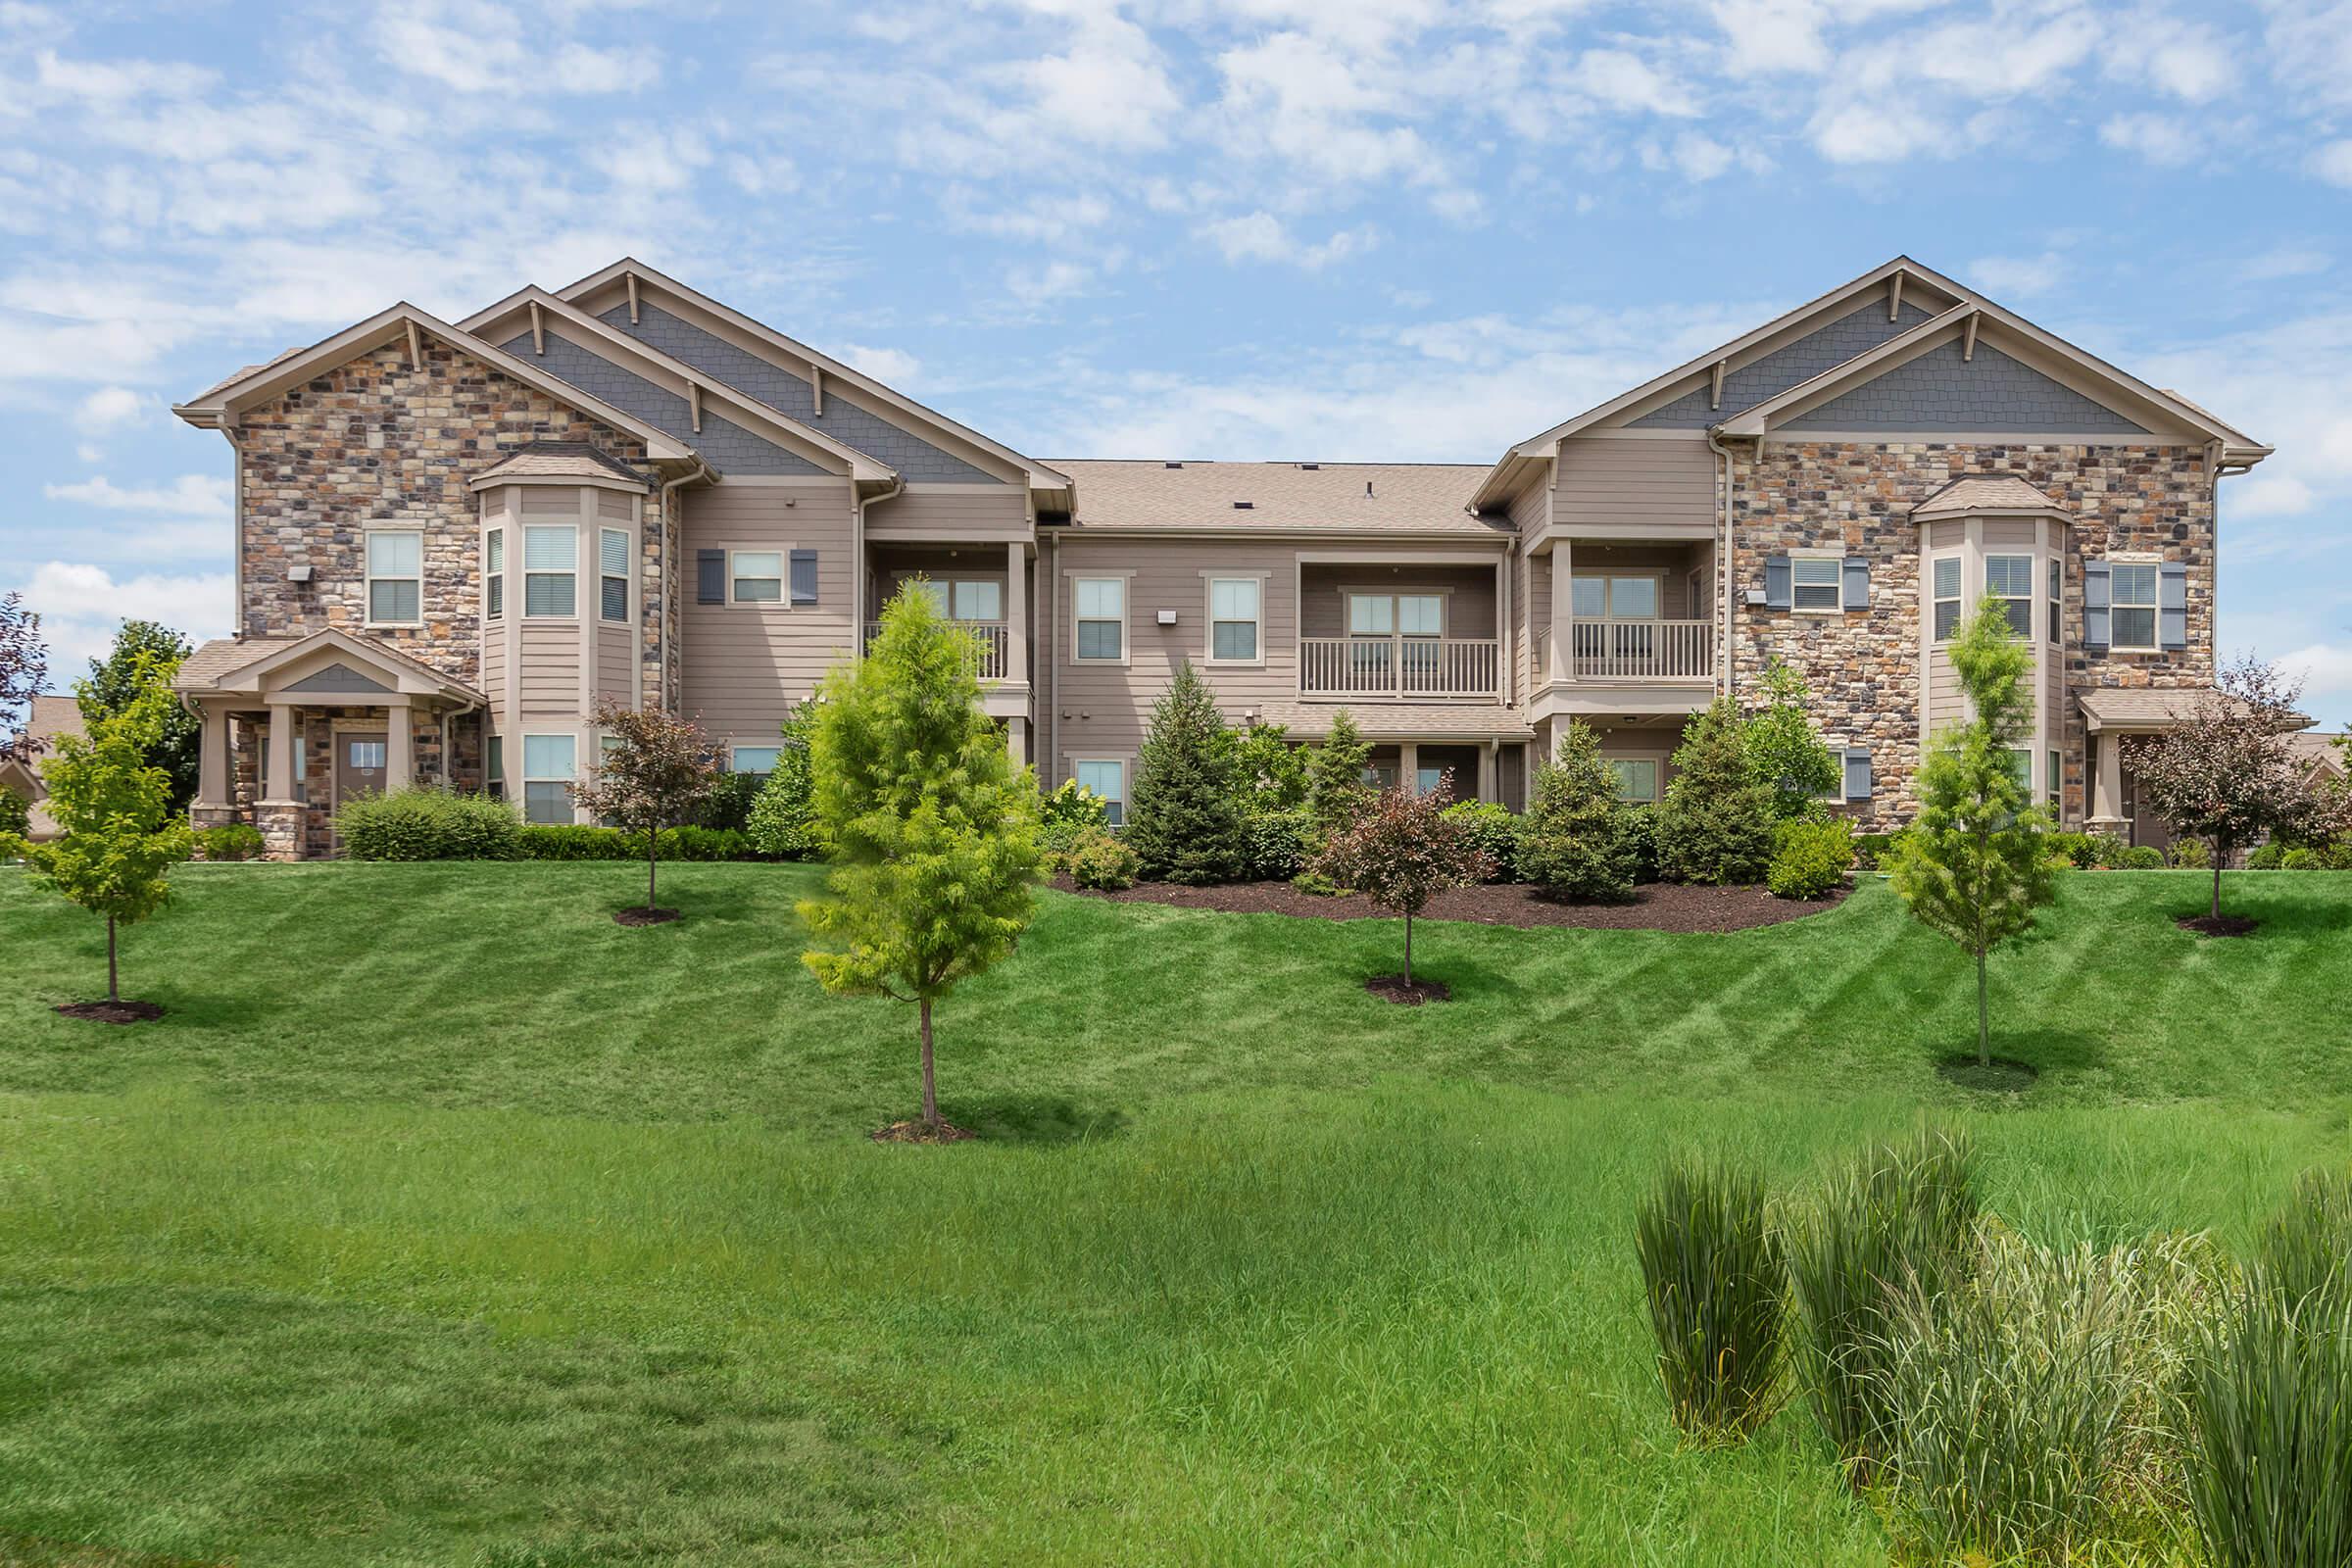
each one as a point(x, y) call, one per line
point(1784, 753)
point(931, 834)
point(1186, 818)
point(783, 819)
point(1716, 823)
point(116, 682)
point(16, 816)
point(653, 770)
point(24, 666)
point(1273, 772)
point(1335, 775)
point(1575, 842)
point(119, 834)
point(1973, 865)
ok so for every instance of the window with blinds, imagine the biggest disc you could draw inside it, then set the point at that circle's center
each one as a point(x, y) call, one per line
point(395, 578)
point(550, 571)
point(494, 570)
point(612, 570)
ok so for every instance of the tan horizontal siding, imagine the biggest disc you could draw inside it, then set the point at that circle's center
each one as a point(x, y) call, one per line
point(745, 666)
point(551, 666)
point(949, 511)
point(1624, 479)
point(1469, 595)
point(613, 668)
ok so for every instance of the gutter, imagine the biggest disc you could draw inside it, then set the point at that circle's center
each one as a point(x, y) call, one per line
point(675, 633)
point(1723, 548)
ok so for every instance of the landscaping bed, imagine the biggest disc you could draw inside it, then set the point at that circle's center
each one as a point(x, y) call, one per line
point(1656, 907)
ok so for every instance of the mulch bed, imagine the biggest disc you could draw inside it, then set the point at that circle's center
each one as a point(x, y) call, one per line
point(2225, 925)
point(644, 916)
point(1657, 907)
point(2004, 1076)
point(1409, 993)
point(113, 1011)
point(919, 1132)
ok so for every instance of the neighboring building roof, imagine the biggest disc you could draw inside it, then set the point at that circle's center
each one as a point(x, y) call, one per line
point(2112, 706)
point(559, 460)
point(1987, 493)
point(2320, 748)
point(1423, 721)
point(50, 717)
point(1406, 497)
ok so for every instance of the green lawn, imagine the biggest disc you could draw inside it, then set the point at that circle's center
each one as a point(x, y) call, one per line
point(442, 1222)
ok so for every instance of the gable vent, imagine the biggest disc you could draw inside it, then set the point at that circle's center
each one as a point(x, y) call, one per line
point(1171, 465)
point(1311, 467)
point(1244, 506)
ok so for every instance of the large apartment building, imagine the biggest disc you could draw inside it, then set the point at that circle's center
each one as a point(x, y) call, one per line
point(452, 539)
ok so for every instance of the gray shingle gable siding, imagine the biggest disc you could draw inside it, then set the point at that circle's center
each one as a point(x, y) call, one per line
point(1940, 391)
point(916, 460)
point(1751, 384)
point(727, 447)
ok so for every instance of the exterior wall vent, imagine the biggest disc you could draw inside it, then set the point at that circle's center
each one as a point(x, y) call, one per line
point(1244, 506)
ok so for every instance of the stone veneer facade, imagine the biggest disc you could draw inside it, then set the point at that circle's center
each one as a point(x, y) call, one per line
point(1863, 666)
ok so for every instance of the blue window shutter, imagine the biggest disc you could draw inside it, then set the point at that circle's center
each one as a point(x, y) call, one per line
point(1776, 582)
point(803, 576)
point(2172, 605)
point(2094, 604)
point(1857, 582)
point(1857, 772)
point(709, 576)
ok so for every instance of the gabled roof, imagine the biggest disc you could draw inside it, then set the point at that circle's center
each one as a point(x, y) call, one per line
point(239, 666)
point(678, 376)
point(2151, 708)
point(1416, 498)
point(559, 460)
point(792, 353)
point(2003, 493)
point(210, 409)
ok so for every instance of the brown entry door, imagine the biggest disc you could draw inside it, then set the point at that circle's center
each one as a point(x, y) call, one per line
point(359, 764)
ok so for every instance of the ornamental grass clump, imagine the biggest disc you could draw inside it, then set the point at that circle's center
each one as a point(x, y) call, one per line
point(1717, 1283)
point(1903, 1218)
point(2270, 1410)
point(2307, 1249)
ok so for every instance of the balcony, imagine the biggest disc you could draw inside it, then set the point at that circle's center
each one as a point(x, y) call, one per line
point(1403, 668)
point(1640, 650)
point(993, 644)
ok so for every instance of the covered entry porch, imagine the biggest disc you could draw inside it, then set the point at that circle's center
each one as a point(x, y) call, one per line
point(294, 726)
point(1482, 750)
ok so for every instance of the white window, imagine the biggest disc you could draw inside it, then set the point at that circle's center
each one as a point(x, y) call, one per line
point(551, 560)
point(1234, 610)
point(756, 576)
point(613, 573)
point(395, 578)
point(2010, 579)
point(494, 766)
point(1396, 615)
point(1947, 597)
point(548, 761)
point(977, 600)
point(1102, 604)
point(2021, 764)
point(494, 573)
point(759, 759)
point(1637, 777)
point(1605, 598)
point(1109, 780)
point(2133, 589)
point(2057, 599)
point(1815, 583)
point(366, 757)
point(2057, 778)
point(1428, 780)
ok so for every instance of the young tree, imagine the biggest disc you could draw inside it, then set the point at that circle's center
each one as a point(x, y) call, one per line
point(1784, 753)
point(1716, 824)
point(1972, 866)
point(931, 834)
point(2230, 775)
point(115, 681)
point(1574, 842)
point(1401, 851)
point(1335, 775)
point(782, 820)
point(1186, 818)
point(24, 666)
point(1273, 772)
point(119, 834)
point(656, 768)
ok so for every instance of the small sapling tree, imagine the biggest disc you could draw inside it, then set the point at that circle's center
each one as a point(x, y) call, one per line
point(1401, 851)
point(654, 771)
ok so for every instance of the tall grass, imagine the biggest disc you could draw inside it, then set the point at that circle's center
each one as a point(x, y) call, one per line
point(2307, 1249)
point(2271, 1412)
point(1901, 1219)
point(1716, 1280)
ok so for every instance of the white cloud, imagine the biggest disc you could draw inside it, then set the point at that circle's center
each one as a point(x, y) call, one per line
point(81, 606)
point(108, 409)
point(1261, 237)
point(2285, 260)
point(895, 366)
point(2023, 275)
point(191, 495)
point(2187, 59)
point(474, 46)
point(2159, 138)
point(1625, 80)
point(2327, 671)
point(2333, 163)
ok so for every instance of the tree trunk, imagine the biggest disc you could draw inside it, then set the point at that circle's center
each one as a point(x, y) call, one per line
point(1409, 948)
point(2216, 882)
point(114, 990)
point(651, 857)
point(930, 1089)
point(1984, 1017)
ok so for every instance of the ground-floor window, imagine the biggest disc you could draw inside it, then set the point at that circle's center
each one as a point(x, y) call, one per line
point(549, 763)
point(494, 766)
point(1637, 777)
point(759, 759)
point(1108, 779)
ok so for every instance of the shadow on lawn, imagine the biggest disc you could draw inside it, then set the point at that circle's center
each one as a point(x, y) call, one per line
point(2049, 1055)
point(1037, 1119)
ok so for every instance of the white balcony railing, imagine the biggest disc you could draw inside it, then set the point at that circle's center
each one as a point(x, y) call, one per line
point(1640, 650)
point(993, 643)
point(1402, 668)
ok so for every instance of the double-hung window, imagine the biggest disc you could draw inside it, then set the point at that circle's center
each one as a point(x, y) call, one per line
point(1947, 594)
point(550, 564)
point(2132, 586)
point(1816, 582)
point(494, 766)
point(1637, 777)
point(494, 575)
point(1101, 608)
point(1108, 779)
point(2057, 620)
point(613, 573)
point(756, 576)
point(2010, 579)
point(977, 598)
point(395, 578)
point(548, 764)
point(1234, 610)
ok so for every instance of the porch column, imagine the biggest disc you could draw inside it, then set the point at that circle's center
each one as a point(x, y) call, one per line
point(285, 721)
point(1016, 611)
point(1408, 767)
point(1559, 666)
point(1016, 740)
point(212, 758)
point(2107, 783)
point(399, 745)
point(1485, 770)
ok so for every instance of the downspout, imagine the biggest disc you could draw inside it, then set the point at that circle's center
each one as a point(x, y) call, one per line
point(898, 487)
point(1723, 548)
point(236, 501)
point(1054, 662)
point(672, 627)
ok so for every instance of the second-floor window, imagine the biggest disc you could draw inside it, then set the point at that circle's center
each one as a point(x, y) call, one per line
point(1815, 583)
point(978, 599)
point(494, 573)
point(1235, 608)
point(1102, 605)
point(2010, 579)
point(613, 573)
point(756, 577)
point(1947, 597)
point(1396, 615)
point(2057, 599)
point(2133, 586)
point(550, 564)
point(395, 578)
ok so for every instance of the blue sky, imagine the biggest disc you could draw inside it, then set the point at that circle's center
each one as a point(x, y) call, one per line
point(1237, 228)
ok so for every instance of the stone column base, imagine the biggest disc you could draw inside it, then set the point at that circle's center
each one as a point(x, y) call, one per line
point(2105, 824)
point(201, 817)
point(282, 823)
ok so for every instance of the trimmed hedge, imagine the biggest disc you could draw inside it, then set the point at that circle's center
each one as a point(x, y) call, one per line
point(568, 841)
point(229, 841)
point(1810, 859)
point(1493, 831)
point(429, 823)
